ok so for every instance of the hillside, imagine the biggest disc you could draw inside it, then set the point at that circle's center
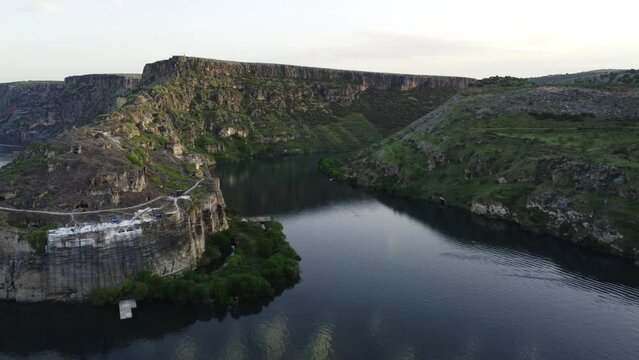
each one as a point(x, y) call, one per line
point(32, 111)
point(186, 113)
point(594, 77)
point(560, 160)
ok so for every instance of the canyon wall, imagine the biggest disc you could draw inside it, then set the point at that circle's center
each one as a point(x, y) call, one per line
point(114, 141)
point(182, 67)
point(36, 110)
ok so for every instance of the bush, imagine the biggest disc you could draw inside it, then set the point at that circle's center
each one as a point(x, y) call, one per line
point(280, 270)
point(105, 296)
point(249, 287)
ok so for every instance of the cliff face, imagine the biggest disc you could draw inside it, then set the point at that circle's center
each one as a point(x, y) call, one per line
point(33, 111)
point(240, 110)
point(166, 247)
point(557, 160)
point(198, 69)
point(183, 115)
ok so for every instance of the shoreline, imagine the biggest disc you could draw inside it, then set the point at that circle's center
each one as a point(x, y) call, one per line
point(333, 173)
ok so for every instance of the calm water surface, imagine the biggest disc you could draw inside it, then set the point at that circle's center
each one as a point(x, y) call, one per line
point(383, 278)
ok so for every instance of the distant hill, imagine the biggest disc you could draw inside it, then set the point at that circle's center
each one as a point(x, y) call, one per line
point(604, 76)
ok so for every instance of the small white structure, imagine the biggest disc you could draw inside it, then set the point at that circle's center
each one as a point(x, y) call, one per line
point(99, 234)
point(126, 309)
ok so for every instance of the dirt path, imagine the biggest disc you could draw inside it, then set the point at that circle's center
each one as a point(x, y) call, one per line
point(56, 213)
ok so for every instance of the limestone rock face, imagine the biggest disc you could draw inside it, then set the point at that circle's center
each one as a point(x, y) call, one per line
point(231, 131)
point(490, 209)
point(165, 247)
point(181, 67)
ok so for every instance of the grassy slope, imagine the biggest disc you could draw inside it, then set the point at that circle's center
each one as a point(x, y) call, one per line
point(474, 151)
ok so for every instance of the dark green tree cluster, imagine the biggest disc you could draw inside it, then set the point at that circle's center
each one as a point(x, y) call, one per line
point(259, 263)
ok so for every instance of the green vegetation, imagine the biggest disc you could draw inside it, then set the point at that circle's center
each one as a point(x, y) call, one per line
point(391, 110)
point(582, 161)
point(502, 81)
point(262, 264)
point(136, 157)
point(330, 167)
point(37, 238)
point(353, 131)
point(274, 115)
point(25, 164)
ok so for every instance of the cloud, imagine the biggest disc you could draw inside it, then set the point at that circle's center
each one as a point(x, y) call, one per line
point(47, 6)
point(377, 45)
point(384, 51)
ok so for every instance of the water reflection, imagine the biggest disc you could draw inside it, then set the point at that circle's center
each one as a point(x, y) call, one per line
point(320, 346)
point(77, 329)
point(382, 278)
point(280, 186)
point(508, 242)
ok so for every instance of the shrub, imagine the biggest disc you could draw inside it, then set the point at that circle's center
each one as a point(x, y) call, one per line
point(105, 296)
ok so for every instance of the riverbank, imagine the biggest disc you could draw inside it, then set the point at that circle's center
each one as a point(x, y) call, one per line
point(335, 170)
point(561, 160)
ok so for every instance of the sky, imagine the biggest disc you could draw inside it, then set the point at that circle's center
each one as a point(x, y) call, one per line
point(51, 39)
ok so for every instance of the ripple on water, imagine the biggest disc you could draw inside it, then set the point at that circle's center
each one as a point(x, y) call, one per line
point(320, 344)
point(186, 348)
point(272, 337)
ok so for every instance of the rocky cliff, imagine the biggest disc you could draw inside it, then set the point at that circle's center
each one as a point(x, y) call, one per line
point(560, 160)
point(238, 110)
point(165, 247)
point(183, 115)
point(200, 69)
point(32, 111)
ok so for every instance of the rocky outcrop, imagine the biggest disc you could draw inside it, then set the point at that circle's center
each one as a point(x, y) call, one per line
point(491, 209)
point(181, 67)
point(166, 247)
point(33, 110)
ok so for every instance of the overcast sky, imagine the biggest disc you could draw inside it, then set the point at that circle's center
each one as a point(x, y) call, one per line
point(50, 39)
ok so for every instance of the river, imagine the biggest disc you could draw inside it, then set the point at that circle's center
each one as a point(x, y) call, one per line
point(382, 278)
